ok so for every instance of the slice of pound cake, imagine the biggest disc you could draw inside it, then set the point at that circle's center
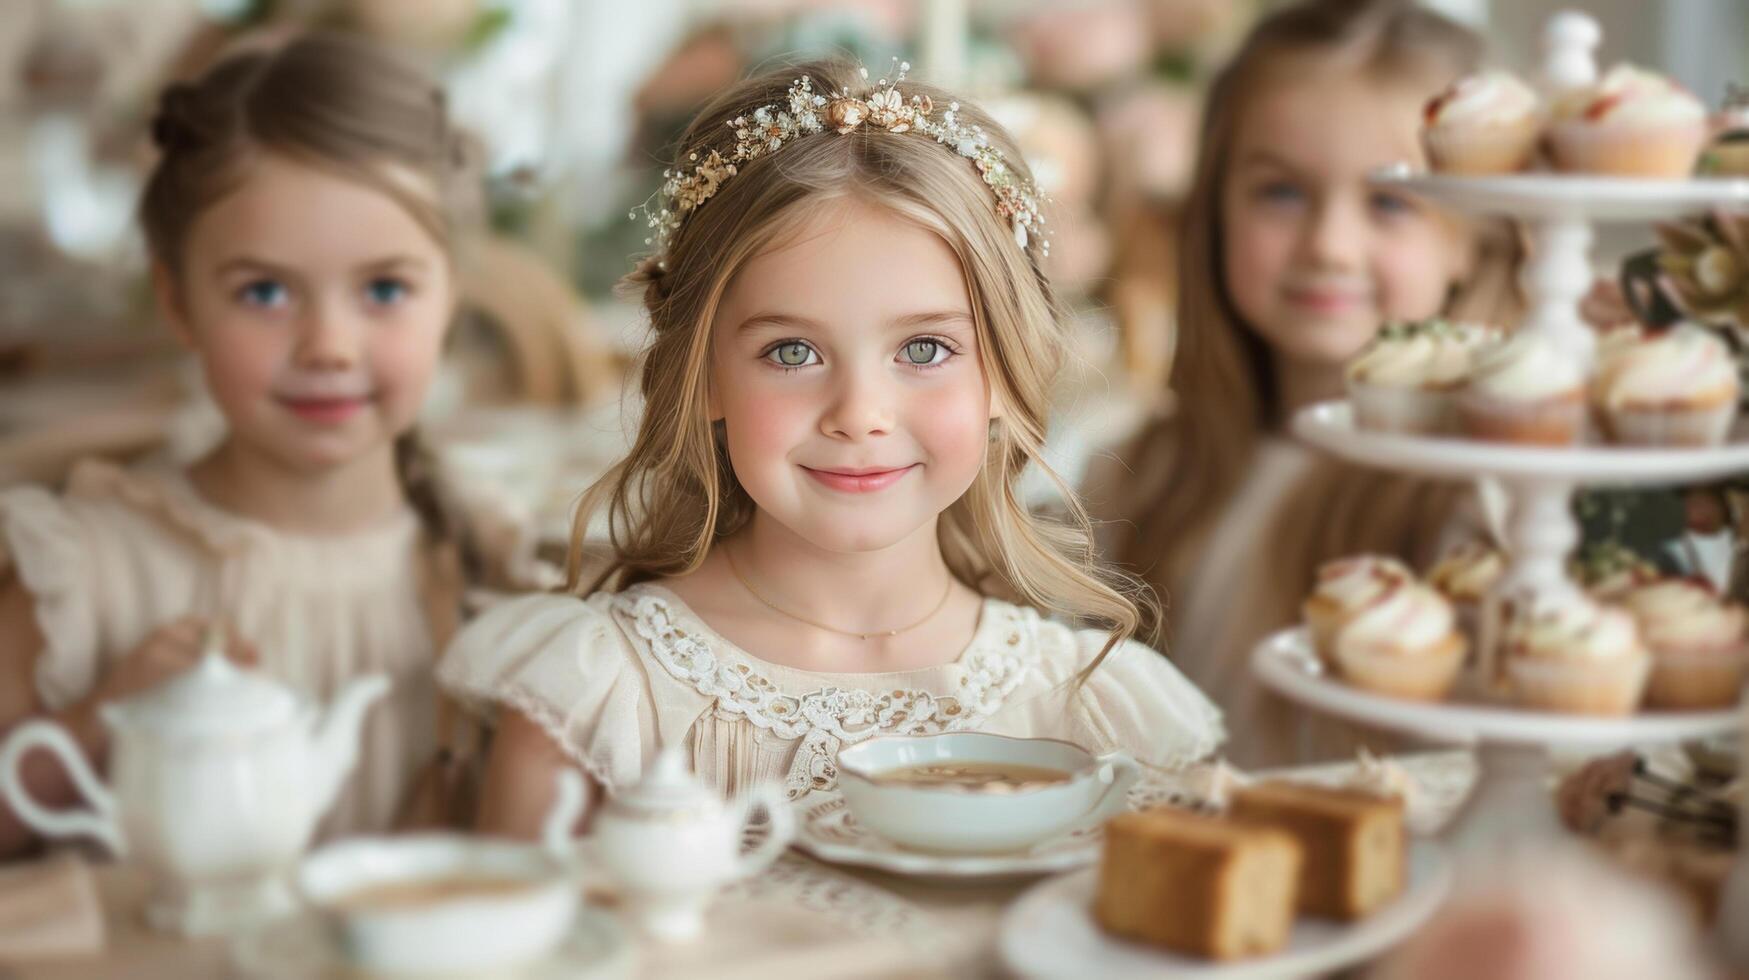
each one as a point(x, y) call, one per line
point(1353, 843)
point(1196, 884)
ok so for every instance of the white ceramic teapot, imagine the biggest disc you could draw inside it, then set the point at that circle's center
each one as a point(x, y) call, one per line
point(218, 778)
point(670, 842)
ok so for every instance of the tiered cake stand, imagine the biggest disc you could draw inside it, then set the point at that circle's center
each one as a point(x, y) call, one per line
point(1512, 800)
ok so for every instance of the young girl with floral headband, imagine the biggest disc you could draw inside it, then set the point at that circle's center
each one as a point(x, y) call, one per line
point(299, 222)
point(817, 533)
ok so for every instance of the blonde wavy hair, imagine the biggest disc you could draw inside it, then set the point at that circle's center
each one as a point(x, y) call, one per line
point(674, 495)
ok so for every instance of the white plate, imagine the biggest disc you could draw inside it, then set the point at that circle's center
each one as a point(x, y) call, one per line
point(1286, 663)
point(303, 948)
point(1546, 195)
point(1330, 426)
point(826, 830)
point(1050, 932)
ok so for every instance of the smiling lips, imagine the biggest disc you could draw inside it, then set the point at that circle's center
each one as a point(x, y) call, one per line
point(329, 410)
point(859, 480)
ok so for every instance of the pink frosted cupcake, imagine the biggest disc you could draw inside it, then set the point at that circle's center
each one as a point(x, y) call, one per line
point(1345, 587)
point(1632, 123)
point(1405, 379)
point(1697, 643)
point(1404, 645)
point(1486, 123)
point(1576, 655)
point(1673, 387)
point(1524, 390)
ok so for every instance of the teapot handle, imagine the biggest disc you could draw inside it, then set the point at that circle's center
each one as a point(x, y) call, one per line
point(780, 830)
point(99, 821)
point(570, 795)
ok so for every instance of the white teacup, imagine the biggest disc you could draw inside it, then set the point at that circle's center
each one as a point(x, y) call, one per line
point(441, 903)
point(958, 820)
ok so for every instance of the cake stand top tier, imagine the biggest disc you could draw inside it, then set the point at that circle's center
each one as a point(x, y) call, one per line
point(1546, 196)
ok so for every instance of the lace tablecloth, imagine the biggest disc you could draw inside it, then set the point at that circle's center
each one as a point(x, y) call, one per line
point(799, 918)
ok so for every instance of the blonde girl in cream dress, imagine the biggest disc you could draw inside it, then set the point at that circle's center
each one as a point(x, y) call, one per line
point(817, 535)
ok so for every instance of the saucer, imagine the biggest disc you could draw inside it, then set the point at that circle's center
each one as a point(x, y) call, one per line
point(302, 947)
point(826, 830)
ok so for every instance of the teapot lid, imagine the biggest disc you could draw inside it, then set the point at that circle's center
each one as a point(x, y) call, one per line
point(214, 697)
point(667, 789)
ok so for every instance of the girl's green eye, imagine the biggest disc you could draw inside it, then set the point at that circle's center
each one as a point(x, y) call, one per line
point(922, 351)
point(792, 355)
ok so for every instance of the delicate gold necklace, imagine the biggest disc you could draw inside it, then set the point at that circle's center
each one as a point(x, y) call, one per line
point(774, 607)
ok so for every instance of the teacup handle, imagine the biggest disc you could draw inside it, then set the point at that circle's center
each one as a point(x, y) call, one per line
point(1125, 773)
point(781, 829)
point(99, 821)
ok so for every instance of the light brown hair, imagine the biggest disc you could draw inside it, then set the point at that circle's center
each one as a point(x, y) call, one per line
point(1184, 469)
point(343, 105)
point(675, 494)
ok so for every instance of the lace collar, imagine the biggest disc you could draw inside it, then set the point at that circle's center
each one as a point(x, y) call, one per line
point(992, 665)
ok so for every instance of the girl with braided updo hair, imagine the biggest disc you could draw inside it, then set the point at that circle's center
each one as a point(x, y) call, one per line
point(818, 535)
point(301, 221)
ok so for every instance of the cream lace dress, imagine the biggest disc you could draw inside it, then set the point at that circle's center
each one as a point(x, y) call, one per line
point(124, 551)
point(613, 677)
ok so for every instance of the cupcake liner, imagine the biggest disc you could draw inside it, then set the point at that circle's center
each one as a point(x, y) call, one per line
point(1628, 149)
point(1420, 675)
point(1401, 410)
point(1610, 686)
point(1558, 421)
point(1697, 677)
point(1698, 425)
point(1483, 150)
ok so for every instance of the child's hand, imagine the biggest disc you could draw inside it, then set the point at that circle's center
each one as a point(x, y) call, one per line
point(1605, 306)
point(167, 652)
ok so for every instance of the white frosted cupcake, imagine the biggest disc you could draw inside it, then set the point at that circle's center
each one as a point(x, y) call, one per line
point(1404, 379)
point(1486, 123)
point(1697, 643)
point(1524, 390)
point(1465, 576)
point(1576, 655)
point(1673, 387)
point(1344, 588)
point(1632, 123)
point(1405, 645)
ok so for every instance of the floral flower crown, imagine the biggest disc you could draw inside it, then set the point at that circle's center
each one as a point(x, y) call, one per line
point(769, 127)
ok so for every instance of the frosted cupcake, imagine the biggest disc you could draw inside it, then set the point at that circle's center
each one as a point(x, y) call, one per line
point(1524, 390)
point(1465, 576)
point(1404, 380)
point(1405, 645)
point(1609, 572)
point(1576, 655)
point(1344, 588)
point(1486, 123)
point(1674, 387)
point(1697, 643)
point(1632, 123)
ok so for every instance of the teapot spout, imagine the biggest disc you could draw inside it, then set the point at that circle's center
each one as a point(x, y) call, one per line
point(336, 739)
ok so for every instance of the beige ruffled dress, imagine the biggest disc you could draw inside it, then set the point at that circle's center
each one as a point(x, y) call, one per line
point(613, 677)
point(124, 551)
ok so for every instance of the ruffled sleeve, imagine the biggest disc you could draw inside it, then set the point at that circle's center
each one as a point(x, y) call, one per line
point(44, 545)
point(565, 663)
point(1136, 700)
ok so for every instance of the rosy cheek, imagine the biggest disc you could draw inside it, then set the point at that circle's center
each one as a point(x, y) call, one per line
point(1409, 280)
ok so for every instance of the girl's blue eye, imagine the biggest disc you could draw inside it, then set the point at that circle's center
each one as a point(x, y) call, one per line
point(792, 354)
point(386, 291)
point(264, 293)
point(1279, 192)
point(1391, 204)
point(924, 352)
